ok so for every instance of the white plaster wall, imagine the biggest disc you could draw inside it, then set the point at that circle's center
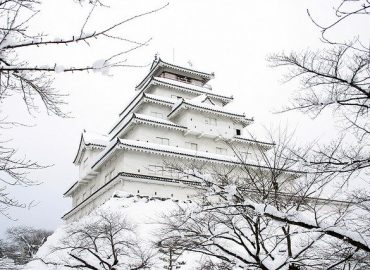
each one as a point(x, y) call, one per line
point(170, 93)
point(85, 166)
point(148, 107)
point(195, 120)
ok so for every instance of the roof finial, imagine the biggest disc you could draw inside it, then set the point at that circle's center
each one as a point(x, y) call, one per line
point(190, 63)
point(156, 56)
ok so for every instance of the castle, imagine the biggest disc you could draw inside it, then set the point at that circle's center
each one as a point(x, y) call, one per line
point(175, 117)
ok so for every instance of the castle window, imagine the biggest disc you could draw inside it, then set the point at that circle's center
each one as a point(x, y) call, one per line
point(156, 170)
point(244, 154)
point(164, 141)
point(172, 173)
point(183, 79)
point(157, 114)
point(221, 151)
point(238, 132)
point(211, 121)
point(192, 146)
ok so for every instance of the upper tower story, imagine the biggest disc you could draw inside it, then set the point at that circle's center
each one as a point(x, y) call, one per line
point(162, 69)
point(183, 96)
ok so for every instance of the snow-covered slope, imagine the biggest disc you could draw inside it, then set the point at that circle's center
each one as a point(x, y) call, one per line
point(143, 213)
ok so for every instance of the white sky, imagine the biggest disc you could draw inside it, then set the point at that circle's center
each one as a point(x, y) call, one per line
point(231, 38)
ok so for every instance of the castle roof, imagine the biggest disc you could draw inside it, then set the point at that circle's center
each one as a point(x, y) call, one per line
point(146, 119)
point(89, 140)
point(202, 106)
point(159, 65)
point(189, 88)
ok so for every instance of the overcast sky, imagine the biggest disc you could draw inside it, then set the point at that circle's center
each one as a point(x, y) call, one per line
point(230, 38)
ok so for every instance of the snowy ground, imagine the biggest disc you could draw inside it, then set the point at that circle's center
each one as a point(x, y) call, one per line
point(143, 212)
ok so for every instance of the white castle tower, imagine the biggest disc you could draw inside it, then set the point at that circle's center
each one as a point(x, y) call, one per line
point(175, 116)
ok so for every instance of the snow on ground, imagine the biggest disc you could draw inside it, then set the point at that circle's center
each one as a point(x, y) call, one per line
point(143, 212)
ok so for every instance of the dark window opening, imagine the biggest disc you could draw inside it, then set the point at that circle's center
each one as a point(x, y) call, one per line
point(238, 132)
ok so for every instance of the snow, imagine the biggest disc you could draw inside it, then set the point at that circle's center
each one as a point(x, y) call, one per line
point(101, 66)
point(143, 212)
point(214, 107)
point(94, 138)
point(98, 64)
point(190, 86)
point(197, 101)
point(177, 103)
point(8, 264)
point(230, 192)
point(9, 41)
point(59, 68)
point(179, 150)
point(155, 119)
point(199, 98)
point(161, 98)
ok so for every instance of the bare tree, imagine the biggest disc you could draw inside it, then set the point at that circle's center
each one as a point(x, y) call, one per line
point(33, 82)
point(171, 253)
point(336, 78)
point(107, 242)
point(269, 214)
point(22, 243)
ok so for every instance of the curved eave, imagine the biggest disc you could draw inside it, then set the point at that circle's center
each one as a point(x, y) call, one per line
point(223, 99)
point(159, 63)
point(184, 105)
point(227, 160)
point(135, 119)
point(70, 190)
point(204, 75)
point(265, 145)
point(157, 100)
point(82, 147)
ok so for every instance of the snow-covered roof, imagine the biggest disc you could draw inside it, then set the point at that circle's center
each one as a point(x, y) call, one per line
point(137, 176)
point(157, 120)
point(138, 99)
point(89, 139)
point(145, 119)
point(186, 103)
point(94, 138)
point(167, 100)
point(253, 141)
point(167, 150)
point(190, 88)
point(159, 64)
